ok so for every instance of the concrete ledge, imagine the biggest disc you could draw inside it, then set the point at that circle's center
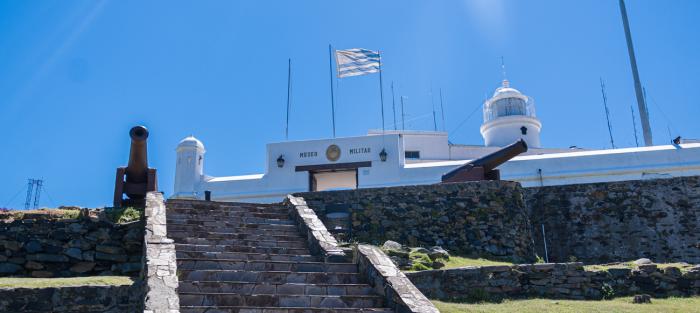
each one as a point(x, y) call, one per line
point(388, 281)
point(321, 242)
point(160, 270)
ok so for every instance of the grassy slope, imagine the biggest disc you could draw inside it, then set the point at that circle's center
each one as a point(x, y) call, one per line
point(13, 282)
point(619, 305)
point(457, 261)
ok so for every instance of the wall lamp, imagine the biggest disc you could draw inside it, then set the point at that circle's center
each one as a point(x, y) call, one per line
point(382, 155)
point(280, 161)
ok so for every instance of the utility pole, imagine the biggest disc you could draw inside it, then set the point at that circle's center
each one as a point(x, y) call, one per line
point(643, 113)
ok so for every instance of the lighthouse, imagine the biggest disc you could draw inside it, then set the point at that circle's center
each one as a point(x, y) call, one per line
point(509, 115)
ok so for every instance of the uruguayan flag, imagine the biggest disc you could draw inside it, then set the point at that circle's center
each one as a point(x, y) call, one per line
point(353, 62)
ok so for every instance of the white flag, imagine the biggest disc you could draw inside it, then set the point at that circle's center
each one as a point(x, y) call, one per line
point(354, 62)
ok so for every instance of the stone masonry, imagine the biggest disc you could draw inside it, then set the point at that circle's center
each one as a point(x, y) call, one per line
point(559, 281)
point(481, 218)
point(245, 257)
point(619, 221)
point(42, 245)
point(160, 268)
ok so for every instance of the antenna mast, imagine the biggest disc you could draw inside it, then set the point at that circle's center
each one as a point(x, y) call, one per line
point(433, 104)
point(442, 111)
point(393, 103)
point(634, 126)
point(289, 95)
point(643, 113)
point(607, 112)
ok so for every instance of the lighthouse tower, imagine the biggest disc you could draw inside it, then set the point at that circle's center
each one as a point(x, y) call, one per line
point(189, 169)
point(509, 116)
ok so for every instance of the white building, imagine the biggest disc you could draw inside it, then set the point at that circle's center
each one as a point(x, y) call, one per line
point(394, 158)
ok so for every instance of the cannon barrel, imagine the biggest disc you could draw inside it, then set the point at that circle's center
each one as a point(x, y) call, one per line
point(137, 169)
point(498, 157)
point(485, 167)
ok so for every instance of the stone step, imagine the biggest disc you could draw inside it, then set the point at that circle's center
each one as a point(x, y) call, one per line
point(244, 288)
point(233, 224)
point(291, 231)
point(245, 243)
point(231, 221)
point(269, 276)
point(246, 256)
point(228, 248)
point(227, 214)
point(277, 266)
point(238, 309)
point(234, 235)
point(245, 208)
point(274, 300)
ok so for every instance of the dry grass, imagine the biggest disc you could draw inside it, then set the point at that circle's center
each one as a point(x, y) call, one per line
point(619, 305)
point(458, 261)
point(630, 265)
point(14, 282)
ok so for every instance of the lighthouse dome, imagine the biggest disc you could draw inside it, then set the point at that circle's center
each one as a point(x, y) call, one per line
point(510, 116)
point(190, 142)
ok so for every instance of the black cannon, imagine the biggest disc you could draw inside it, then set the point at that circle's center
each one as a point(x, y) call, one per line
point(136, 179)
point(484, 168)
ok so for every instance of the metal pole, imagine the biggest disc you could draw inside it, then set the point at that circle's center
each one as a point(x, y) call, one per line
point(381, 90)
point(393, 103)
point(403, 125)
point(634, 126)
point(607, 112)
point(442, 111)
point(432, 103)
point(289, 91)
point(544, 238)
point(643, 113)
point(330, 69)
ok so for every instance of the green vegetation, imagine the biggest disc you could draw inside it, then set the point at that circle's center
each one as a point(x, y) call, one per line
point(13, 282)
point(631, 265)
point(123, 215)
point(420, 261)
point(458, 261)
point(619, 305)
point(72, 213)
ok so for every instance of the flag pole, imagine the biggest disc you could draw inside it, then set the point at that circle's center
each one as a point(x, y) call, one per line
point(330, 68)
point(442, 111)
point(393, 103)
point(289, 91)
point(381, 91)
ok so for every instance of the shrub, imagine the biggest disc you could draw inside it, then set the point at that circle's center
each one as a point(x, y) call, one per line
point(123, 215)
point(607, 291)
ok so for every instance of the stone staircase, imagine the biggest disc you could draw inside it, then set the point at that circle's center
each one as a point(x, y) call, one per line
point(243, 257)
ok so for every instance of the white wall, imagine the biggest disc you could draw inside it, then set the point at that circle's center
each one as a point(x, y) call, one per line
point(557, 168)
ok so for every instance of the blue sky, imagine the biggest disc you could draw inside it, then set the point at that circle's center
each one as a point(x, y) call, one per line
point(76, 75)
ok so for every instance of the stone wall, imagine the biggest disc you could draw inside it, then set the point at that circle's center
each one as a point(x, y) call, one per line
point(109, 299)
point(480, 218)
point(619, 221)
point(43, 245)
point(559, 281)
point(160, 268)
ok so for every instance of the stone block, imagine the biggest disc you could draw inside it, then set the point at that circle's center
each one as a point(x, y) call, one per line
point(9, 268)
point(74, 253)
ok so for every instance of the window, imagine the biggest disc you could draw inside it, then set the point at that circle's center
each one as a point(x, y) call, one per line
point(412, 154)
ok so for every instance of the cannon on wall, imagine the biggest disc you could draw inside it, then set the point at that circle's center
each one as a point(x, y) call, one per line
point(484, 168)
point(136, 179)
